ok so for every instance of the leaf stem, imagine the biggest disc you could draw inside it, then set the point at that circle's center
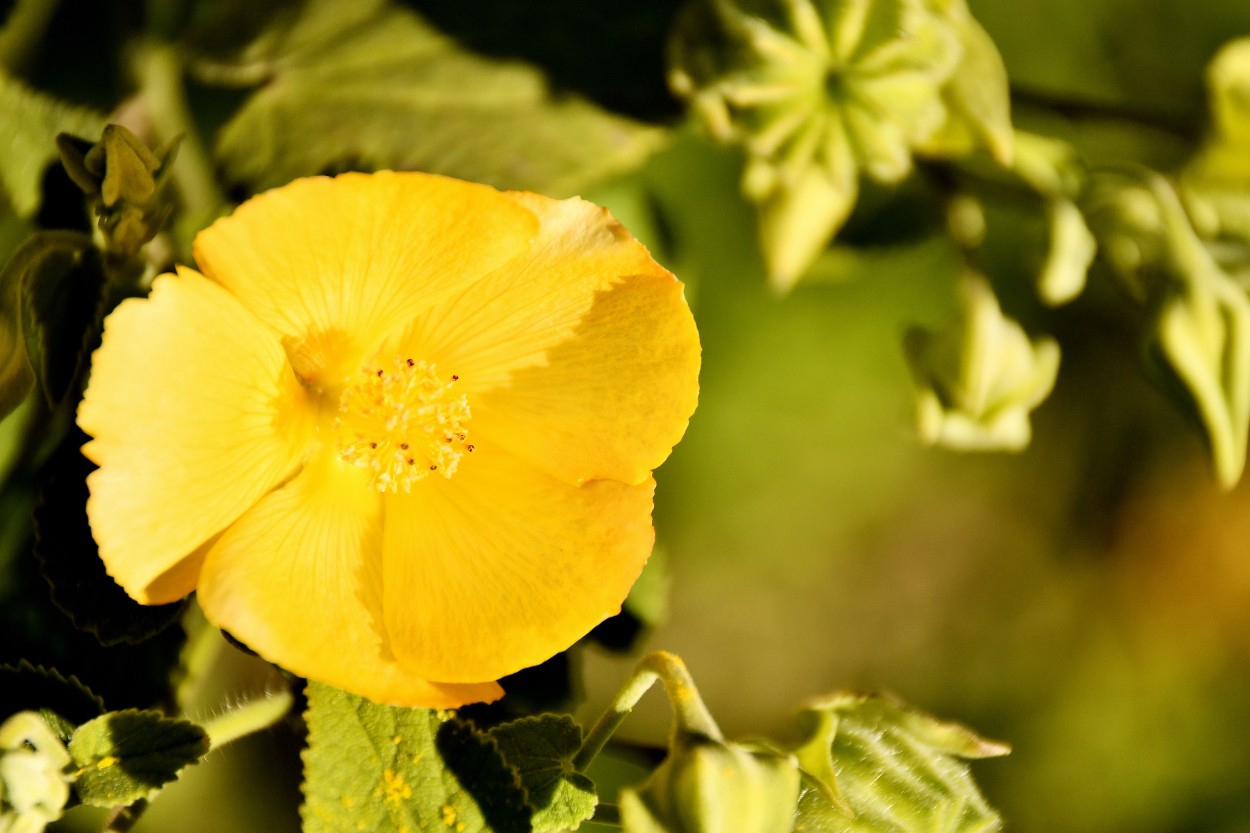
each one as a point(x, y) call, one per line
point(249, 717)
point(159, 70)
point(690, 715)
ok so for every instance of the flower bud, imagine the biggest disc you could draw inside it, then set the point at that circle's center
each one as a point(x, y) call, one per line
point(708, 786)
point(34, 787)
point(978, 379)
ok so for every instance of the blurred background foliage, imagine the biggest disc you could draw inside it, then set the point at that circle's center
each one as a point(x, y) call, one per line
point(1086, 600)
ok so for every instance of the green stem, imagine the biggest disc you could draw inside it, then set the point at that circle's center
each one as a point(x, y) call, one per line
point(690, 714)
point(249, 717)
point(23, 31)
point(1092, 110)
point(158, 66)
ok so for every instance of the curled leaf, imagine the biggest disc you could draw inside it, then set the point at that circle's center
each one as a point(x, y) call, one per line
point(874, 765)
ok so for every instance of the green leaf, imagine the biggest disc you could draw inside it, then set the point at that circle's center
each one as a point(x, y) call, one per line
point(385, 769)
point(17, 377)
point(62, 282)
point(32, 121)
point(63, 702)
point(70, 561)
point(874, 765)
point(124, 756)
point(541, 749)
point(371, 85)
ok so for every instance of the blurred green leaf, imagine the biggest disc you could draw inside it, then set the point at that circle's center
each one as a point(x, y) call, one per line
point(1202, 335)
point(541, 749)
point(894, 770)
point(389, 769)
point(124, 756)
point(371, 85)
point(28, 143)
point(16, 375)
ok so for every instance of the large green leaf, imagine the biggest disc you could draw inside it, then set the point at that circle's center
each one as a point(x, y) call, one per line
point(28, 141)
point(384, 769)
point(371, 85)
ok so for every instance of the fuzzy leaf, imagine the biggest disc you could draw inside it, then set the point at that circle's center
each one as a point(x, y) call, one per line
point(32, 121)
point(542, 749)
point(384, 769)
point(873, 765)
point(124, 756)
point(371, 85)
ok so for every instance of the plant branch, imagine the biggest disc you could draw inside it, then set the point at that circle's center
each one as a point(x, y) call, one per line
point(1090, 110)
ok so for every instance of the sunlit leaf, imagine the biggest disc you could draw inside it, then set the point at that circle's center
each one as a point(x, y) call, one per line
point(873, 765)
point(121, 757)
point(31, 122)
point(371, 85)
point(388, 770)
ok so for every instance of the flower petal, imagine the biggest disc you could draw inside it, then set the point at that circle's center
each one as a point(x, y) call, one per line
point(501, 566)
point(581, 357)
point(298, 580)
point(334, 265)
point(195, 414)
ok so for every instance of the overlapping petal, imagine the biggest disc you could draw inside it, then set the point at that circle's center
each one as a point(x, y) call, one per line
point(334, 265)
point(503, 565)
point(299, 578)
point(196, 414)
point(580, 356)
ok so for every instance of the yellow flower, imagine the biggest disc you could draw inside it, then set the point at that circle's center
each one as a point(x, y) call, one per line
point(398, 432)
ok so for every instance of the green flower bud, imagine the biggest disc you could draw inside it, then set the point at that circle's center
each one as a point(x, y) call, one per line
point(124, 178)
point(978, 379)
point(976, 98)
point(1072, 249)
point(816, 92)
point(873, 765)
point(34, 787)
point(707, 786)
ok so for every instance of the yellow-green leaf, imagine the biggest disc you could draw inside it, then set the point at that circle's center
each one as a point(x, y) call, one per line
point(371, 85)
point(386, 770)
point(31, 122)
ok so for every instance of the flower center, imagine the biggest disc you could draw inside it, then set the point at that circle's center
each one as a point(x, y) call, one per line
point(403, 422)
